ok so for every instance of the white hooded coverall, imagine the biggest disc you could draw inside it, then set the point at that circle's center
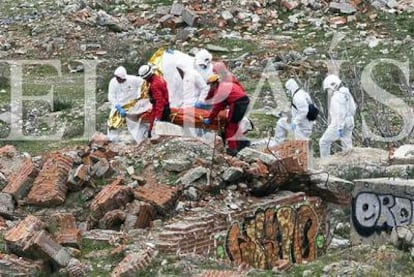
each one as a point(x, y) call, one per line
point(341, 111)
point(282, 130)
point(122, 93)
point(300, 107)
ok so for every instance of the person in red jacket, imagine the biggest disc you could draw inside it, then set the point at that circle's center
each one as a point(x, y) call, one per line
point(158, 95)
point(220, 69)
point(221, 95)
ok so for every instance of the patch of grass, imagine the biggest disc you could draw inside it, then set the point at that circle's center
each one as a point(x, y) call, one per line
point(61, 104)
point(263, 125)
point(232, 44)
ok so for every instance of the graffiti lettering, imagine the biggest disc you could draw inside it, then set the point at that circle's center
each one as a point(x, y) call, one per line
point(380, 213)
point(275, 234)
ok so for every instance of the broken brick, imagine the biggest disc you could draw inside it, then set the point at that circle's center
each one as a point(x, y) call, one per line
point(167, 21)
point(12, 265)
point(99, 139)
point(338, 20)
point(67, 233)
point(162, 196)
point(18, 185)
point(8, 151)
point(112, 219)
point(222, 273)
point(296, 149)
point(289, 4)
point(78, 177)
point(140, 215)
point(133, 263)
point(17, 237)
point(49, 187)
point(43, 244)
point(111, 197)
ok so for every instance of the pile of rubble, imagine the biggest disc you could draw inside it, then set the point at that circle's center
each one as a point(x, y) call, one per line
point(107, 192)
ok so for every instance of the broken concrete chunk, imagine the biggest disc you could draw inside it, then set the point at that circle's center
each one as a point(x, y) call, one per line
point(176, 9)
point(226, 15)
point(176, 165)
point(251, 155)
point(403, 154)
point(342, 7)
point(216, 48)
point(6, 205)
point(163, 10)
point(232, 174)
point(192, 175)
point(189, 17)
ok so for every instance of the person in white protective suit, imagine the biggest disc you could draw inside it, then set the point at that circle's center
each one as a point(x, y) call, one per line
point(194, 88)
point(301, 125)
point(341, 112)
point(203, 63)
point(122, 89)
point(283, 128)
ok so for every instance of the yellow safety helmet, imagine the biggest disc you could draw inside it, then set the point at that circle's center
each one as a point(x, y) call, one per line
point(213, 78)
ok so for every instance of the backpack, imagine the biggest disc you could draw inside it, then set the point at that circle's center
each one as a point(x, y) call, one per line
point(313, 111)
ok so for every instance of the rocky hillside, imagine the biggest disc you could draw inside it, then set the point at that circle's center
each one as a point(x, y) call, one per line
point(80, 206)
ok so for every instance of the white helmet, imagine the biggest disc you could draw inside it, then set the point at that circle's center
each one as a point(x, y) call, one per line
point(145, 71)
point(331, 82)
point(291, 85)
point(120, 72)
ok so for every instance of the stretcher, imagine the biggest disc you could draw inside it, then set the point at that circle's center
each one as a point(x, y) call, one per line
point(191, 117)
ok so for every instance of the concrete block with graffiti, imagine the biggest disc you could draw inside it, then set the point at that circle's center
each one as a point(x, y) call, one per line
point(378, 206)
point(265, 233)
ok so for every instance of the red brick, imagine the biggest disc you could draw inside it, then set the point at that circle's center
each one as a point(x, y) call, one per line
point(49, 187)
point(296, 149)
point(12, 265)
point(67, 232)
point(79, 176)
point(222, 273)
point(112, 219)
point(8, 151)
point(17, 237)
point(111, 197)
point(3, 225)
point(133, 263)
point(18, 185)
point(162, 196)
point(99, 139)
point(44, 246)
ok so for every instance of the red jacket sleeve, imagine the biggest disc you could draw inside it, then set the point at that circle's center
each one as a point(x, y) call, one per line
point(216, 109)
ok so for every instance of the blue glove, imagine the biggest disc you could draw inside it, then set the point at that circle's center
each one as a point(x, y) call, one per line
point(207, 121)
point(201, 105)
point(293, 126)
point(122, 111)
point(340, 133)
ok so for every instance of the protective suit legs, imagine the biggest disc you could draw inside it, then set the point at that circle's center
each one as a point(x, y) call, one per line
point(303, 130)
point(331, 135)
